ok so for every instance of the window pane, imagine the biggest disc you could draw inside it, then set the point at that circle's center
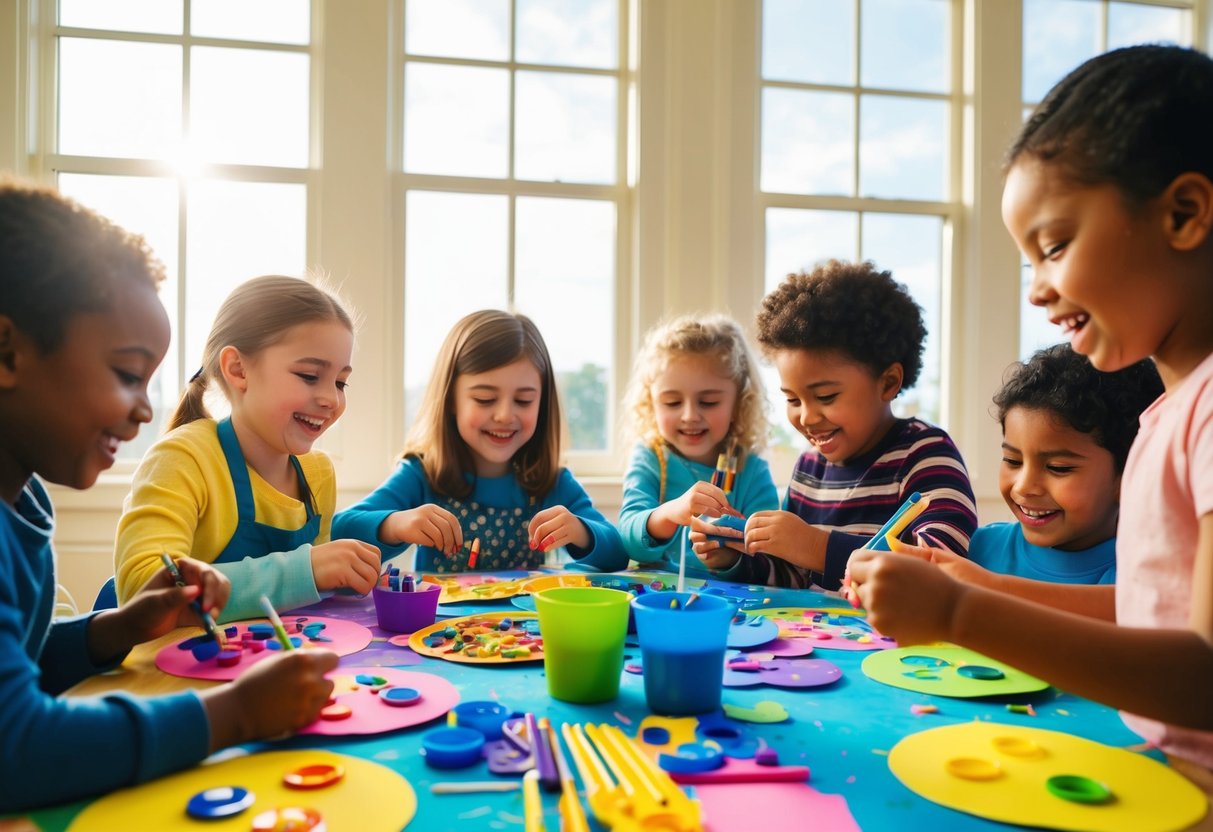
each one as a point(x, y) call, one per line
point(565, 260)
point(1058, 35)
point(273, 21)
point(249, 106)
point(811, 41)
point(147, 207)
point(569, 32)
point(911, 248)
point(797, 240)
point(902, 148)
point(565, 128)
point(455, 262)
point(237, 230)
point(159, 16)
point(458, 28)
point(119, 99)
point(1130, 23)
point(456, 120)
point(808, 141)
point(905, 45)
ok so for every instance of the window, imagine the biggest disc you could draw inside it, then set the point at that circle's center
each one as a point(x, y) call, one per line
point(1058, 35)
point(515, 117)
point(858, 134)
point(188, 121)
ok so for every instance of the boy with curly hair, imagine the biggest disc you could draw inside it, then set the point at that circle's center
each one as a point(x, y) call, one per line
point(846, 339)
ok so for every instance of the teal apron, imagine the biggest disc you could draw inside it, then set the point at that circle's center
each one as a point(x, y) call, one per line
point(504, 542)
point(253, 539)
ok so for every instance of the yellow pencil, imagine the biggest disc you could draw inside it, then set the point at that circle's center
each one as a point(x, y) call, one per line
point(532, 804)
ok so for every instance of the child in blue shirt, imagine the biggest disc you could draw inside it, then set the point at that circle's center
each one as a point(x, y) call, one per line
point(695, 394)
point(81, 332)
point(483, 461)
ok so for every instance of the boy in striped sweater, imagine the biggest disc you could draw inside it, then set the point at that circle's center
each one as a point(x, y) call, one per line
point(846, 339)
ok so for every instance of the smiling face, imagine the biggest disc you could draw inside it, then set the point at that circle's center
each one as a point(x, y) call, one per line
point(836, 403)
point(694, 405)
point(496, 412)
point(65, 413)
point(291, 392)
point(1101, 270)
point(1059, 483)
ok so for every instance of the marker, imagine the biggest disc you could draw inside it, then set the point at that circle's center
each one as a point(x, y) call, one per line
point(475, 553)
point(719, 473)
point(279, 630)
point(208, 623)
point(730, 474)
point(915, 505)
point(545, 764)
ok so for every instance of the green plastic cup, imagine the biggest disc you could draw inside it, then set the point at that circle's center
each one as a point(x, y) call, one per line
point(583, 628)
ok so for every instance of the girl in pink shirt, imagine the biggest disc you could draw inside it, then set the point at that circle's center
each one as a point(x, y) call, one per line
point(1109, 195)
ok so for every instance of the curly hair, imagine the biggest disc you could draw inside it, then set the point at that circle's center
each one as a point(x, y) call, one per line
point(58, 260)
point(715, 335)
point(849, 307)
point(1059, 381)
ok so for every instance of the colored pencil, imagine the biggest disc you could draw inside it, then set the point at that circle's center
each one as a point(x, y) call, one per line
point(276, 622)
point(208, 623)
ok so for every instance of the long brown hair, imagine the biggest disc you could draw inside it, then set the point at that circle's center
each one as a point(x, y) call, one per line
point(480, 342)
point(257, 314)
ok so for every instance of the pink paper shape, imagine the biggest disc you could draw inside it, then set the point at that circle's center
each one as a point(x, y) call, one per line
point(347, 637)
point(773, 807)
point(373, 716)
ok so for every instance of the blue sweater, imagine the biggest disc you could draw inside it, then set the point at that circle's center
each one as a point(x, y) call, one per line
point(853, 500)
point(1001, 547)
point(753, 490)
point(408, 487)
point(53, 750)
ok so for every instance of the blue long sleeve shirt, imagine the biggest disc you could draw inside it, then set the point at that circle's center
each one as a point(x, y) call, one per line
point(1001, 547)
point(408, 487)
point(753, 490)
point(53, 749)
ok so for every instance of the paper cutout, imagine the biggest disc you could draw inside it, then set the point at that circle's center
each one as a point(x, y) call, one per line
point(1147, 796)
point(539, 584)
point(828, 628)
point(784, 673)
point(474, 587)
point(752, 631)
point(933, 669)
point(346, 638)
point(785, 648)
point(762, 712)
point(523, 629)
point(736, 768)
point(373, 716)
point(357, 801)
point(773, 807)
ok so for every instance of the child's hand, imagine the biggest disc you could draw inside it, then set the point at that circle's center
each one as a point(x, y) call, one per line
point(784, 535)
point(276, 696)
point(557, 526)
point(700, 498)
point(345, 563)
point(427, 525)
point(710, 553)
point(906, 598)
point(952, 564)
point(215, 588)
point(700, 529)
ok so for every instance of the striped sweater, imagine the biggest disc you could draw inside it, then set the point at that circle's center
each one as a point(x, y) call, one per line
point(852, 501)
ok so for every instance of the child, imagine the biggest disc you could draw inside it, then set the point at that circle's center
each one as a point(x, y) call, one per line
point(81, 331)
point(482, 461)
point(694, 395)
point(1066, 430)
point(846, 340)
point(247, 493)
point(1109, 194)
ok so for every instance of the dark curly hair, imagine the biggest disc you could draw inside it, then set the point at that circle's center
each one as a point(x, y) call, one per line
point(849, 307)
point(1064, 383)
point(58, 259)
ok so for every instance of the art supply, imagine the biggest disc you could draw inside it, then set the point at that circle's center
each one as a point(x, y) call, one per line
point(914, 505)
point(532, 804)
point(683, 651)
point(208, 623)
point(572, 815)
point(475, 554)
point(406, 610)
point(721, 469)
point(583, 631)
point(545, 760)
point(475, 787)
point(730, 475)
point(279, 630)
point(682, 560)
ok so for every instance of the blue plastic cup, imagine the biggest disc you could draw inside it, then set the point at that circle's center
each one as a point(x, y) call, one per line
point(682, 649)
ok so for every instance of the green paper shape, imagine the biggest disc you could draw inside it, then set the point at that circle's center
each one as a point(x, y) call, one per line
point(887, 667)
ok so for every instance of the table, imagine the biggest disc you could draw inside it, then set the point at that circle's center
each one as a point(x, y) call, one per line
point(843, 732)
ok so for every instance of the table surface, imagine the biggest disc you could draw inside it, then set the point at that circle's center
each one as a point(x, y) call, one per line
point(842, 732)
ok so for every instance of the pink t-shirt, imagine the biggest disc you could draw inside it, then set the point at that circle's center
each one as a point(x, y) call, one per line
point(1167, 487)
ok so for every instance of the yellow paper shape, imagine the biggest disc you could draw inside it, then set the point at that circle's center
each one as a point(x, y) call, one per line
point(1147, 796)
point(370, 798)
